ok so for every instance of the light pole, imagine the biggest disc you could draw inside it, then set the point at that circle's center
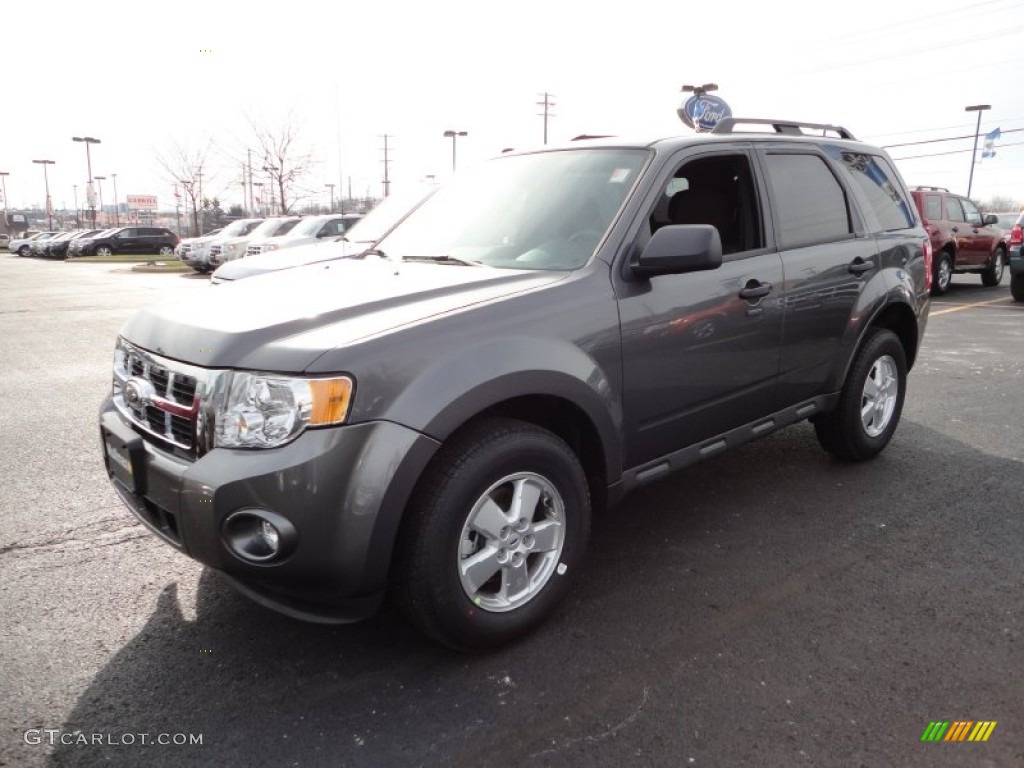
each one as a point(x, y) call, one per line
point(88, 160)
point(117, 212)
point(331, 187)
point(271, 169)
point(78, 213)
point(46, 179)
point(3, 182)
point(979, 108)
point(101, 179)
point(454, 135)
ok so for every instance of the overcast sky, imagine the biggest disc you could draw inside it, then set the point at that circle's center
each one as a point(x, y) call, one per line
point(144, 77)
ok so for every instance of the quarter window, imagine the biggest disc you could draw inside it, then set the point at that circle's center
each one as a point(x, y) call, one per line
point(874, 182)
point(809, 201)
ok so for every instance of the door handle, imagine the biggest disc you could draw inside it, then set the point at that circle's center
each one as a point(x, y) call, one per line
point(859, 265)
point(956, 229)
point(755, 289)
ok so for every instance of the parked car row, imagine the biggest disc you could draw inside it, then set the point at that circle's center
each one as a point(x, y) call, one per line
point(1016, 242)
point(246, 237)
point(58, 245)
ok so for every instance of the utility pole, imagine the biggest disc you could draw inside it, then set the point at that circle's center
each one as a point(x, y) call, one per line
point(101, 179)
point(979, 108)
point(117, 206)
point(202, 202)
point(387, 162)
point(331, 186)
point(46, 178)
point(3, 182)
point(78, 213)
point(547, 104)
point(251, 208)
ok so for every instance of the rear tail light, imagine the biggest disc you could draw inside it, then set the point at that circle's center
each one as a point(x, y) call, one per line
point(927, 248)
point(1016, 235)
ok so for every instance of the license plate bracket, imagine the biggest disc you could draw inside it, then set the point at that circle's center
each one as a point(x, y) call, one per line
point(125, 461)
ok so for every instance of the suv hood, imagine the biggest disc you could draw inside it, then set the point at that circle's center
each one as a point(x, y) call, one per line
point(271, 261)
point(284, 322)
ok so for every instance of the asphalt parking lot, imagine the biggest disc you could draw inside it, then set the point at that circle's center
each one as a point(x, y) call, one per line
point(769, 607)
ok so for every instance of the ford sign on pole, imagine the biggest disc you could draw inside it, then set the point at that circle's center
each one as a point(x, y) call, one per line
point(702, 111)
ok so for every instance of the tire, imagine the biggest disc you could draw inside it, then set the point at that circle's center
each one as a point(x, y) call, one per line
point(24, 251)
point(464, 509)
point(992, 276)
point(1017, 286)
point(104, 251)
point(857, 430)
point(166, 250)
point(943, 274)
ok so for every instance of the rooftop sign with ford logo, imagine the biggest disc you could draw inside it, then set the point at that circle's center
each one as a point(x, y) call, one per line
point(702, 111)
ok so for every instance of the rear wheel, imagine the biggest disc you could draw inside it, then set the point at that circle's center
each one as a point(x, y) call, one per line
point(994, 274)
point(1017, 286)
point(24, 251)
point(166, 250)
point(496, 528)
point(104, 250)
point(943, 274)
point(870, 403)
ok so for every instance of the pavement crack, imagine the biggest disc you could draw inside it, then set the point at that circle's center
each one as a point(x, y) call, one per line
point(104, 532)
point(599, 737)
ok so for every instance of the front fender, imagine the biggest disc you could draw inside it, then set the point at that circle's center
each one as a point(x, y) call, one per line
point(507, 367)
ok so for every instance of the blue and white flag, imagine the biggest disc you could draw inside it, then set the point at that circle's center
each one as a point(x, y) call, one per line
point(990, 140)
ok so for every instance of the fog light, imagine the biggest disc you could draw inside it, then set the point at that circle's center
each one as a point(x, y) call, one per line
point(259, 536)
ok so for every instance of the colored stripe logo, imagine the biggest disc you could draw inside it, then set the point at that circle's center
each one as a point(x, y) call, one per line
point(958, 730)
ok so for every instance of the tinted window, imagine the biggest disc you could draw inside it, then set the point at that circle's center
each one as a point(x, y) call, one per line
point(810, 203)
point(932, 207)
point(149, 232)
point(953, 210)
point(128, 233)
point(874, 182)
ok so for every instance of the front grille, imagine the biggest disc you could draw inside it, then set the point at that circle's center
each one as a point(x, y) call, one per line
point(160, 396)
point(215, 250)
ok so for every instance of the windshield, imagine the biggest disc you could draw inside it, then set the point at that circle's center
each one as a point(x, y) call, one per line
point(547, 210)
point(306, 227)
point(273, 227)
point(236, 228)
point(374, 225)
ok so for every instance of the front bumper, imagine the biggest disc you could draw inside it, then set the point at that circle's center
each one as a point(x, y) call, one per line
point(343, 489)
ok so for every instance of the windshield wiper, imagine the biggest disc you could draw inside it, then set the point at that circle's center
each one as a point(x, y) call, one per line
point(444, 259)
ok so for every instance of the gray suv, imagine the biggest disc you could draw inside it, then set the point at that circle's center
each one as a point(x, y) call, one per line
point(548, 331)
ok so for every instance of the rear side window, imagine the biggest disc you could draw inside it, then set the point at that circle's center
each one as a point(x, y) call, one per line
point(933, 207)
point(809, 201)
point(876, 186)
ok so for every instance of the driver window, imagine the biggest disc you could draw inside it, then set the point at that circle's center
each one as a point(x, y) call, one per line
point(717, 190)
point(972, 213)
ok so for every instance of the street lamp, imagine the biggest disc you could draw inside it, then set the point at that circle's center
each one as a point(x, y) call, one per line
point(78, 213)
point(101, 179)
point(117, 212)
point(454, 135)
point(92, 205)
point(979, 108)
point(331, 187)
point(3, 182)
point(46, 178)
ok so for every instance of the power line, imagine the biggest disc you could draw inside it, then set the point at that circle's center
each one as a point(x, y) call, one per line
point(955, 151)
point(952, 138)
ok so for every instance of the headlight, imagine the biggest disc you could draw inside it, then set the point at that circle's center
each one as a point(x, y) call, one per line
point(265, 411)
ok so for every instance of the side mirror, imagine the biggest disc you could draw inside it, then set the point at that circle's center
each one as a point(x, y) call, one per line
point(989, 218)
point(680, 248)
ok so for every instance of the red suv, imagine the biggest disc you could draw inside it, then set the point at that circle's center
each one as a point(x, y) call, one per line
point(963, 239)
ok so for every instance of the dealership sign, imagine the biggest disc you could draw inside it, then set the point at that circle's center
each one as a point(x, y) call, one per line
point(702, 111)
point(142, 202)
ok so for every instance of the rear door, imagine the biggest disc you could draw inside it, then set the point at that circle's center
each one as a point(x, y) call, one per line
point(127, 241)
point(827, 256)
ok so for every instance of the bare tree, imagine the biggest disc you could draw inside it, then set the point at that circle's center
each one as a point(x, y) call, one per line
point(187, 166)
point(285, 161)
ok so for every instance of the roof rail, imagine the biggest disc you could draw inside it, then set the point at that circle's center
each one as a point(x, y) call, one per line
point(788, 127)
point(933, 189)
point(585, 136)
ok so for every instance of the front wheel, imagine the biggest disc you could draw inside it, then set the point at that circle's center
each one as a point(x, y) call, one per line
point(992, 276)
point(495, 530)
point(24, 251)
point(1017, 286)
point(870, 403)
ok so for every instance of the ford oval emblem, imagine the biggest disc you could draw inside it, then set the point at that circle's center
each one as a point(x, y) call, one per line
point(703, 111)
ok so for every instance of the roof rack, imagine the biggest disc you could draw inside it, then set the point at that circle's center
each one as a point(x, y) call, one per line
point(932, 189)
point(788, 127)
point(586, 136)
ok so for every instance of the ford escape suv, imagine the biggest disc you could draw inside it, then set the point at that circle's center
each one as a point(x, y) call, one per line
point(548, 331)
